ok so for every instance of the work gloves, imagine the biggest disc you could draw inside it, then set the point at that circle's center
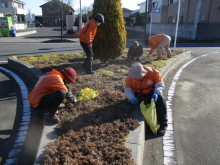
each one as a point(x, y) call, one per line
point(155, 96)
point(71, 98)
point(134, 100)
point(151, 51)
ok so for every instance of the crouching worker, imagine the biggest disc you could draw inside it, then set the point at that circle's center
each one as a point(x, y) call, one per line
point(50, 91)
point(135, 51)
point(143, 84)
point(159, 41)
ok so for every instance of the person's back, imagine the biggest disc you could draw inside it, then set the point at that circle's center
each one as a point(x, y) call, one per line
point(49, 83)
point(159, 41)
point(88, 32)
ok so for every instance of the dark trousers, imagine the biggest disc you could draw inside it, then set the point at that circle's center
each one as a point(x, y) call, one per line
point(87, 65)
point(160, 106)
point(50, 103)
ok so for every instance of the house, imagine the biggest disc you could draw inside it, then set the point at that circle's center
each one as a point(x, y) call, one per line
point(16, 10)
point(54, 12)
point(126, 14)
point(195, 20)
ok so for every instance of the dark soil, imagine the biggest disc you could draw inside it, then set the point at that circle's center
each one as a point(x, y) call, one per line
point(94, 131)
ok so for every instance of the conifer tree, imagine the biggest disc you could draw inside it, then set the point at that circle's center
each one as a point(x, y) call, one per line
point(110, 40)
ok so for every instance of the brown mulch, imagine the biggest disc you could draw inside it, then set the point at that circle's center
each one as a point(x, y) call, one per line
point(94, 131)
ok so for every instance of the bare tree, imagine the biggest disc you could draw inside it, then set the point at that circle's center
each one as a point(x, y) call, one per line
point(61, 8)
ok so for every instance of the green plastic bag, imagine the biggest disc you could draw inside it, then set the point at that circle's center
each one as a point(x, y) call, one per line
point(150, 114)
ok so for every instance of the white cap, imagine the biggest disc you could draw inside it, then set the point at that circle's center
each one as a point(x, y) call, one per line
point(137, 71)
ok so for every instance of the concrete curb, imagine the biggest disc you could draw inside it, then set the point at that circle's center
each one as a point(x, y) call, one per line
point(174, 62)
point(136, 138)
point(25, 33)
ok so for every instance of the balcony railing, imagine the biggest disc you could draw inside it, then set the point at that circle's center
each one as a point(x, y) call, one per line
point(20, 11)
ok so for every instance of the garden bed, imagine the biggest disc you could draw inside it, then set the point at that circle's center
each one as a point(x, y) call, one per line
point(94, 131)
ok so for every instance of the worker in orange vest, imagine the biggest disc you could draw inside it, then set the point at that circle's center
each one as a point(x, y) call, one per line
point(159, 41)
point(86, 36)
point(143, 84)
point(50, 91)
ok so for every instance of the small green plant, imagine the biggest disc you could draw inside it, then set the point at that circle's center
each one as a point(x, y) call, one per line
point(103, 72)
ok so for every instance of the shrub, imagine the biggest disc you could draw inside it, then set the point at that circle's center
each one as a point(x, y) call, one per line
point(110, 40)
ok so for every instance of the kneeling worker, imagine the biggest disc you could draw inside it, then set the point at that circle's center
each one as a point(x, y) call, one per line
point(144, 83)
point(50, 91)
point(135, 51)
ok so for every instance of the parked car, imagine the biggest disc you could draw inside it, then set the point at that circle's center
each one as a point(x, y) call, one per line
point(38, 24)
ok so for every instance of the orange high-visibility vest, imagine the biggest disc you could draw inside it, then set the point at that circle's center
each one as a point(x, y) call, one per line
point(146, 85)
point(88, 32)
point(48, 83)
point(155, 40)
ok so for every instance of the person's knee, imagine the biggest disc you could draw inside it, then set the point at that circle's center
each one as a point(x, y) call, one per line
point(61, 93)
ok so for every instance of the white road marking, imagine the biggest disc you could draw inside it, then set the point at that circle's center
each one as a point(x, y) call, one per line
point(168, 139)
point(14, 153)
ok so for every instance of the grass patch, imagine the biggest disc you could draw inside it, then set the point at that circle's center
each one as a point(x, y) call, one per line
point(103, 72)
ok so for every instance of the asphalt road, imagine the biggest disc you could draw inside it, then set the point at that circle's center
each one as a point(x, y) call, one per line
point(9, 91)
point(196, 113)
point(32, 44)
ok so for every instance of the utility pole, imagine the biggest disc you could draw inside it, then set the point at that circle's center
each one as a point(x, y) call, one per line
point(80, 15)
point(196, 21)
point(145, 21)
point(151, 6)
point(177, 23)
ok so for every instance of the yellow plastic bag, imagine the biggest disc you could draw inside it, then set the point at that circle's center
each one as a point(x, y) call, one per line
point(150, 114)
point(87, 94)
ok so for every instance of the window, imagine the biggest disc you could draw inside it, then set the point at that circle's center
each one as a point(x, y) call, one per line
point(20, 6)
point(4, 4)
point(170, 19)
point(181, 19)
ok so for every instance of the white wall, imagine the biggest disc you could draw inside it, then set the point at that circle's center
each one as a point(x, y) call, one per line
point(184, 30)
point(20, 26)
point(70, 20)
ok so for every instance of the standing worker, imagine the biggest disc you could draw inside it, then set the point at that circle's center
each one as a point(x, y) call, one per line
point(50, 91)
point(144, 83)
point(159, 41)
point(86, 36)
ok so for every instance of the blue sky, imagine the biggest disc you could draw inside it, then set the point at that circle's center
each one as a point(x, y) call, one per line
point(33, 5)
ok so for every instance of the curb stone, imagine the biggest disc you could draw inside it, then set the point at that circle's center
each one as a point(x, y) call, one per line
point(25, 33)
point(136, 138)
